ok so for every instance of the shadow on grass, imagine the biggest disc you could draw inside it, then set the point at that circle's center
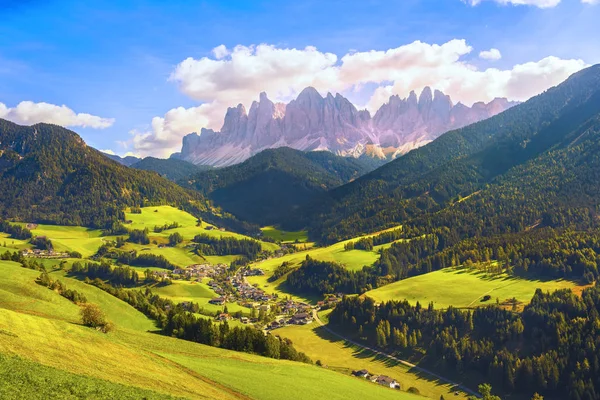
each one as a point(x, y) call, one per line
point(361, 353)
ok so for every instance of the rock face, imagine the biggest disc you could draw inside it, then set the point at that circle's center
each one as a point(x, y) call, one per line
point(313, 122)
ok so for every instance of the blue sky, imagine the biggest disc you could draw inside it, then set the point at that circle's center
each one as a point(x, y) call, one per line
point(114, 59)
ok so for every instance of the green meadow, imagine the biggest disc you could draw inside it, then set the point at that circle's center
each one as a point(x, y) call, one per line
point(464, 288)
point(42, 329)
point(352, 259)
point(285, 236)
point(72, 238)
point(338, 355)
point(197, 292)
point(188, 226)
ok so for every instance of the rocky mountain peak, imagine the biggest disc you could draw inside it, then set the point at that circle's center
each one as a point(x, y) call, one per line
point(313, 122)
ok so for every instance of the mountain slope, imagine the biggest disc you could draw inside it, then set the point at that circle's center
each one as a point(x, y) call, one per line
point(126, 161)
point(273, 183)
point(313, 122)
point(48, 174)
point(458, 163)
point(171, 168)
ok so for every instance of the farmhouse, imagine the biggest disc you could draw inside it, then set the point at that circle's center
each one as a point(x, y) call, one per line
point(363, 373)
point(302, 319)
point(217, 301)
point(387, 381)
point(224, 317)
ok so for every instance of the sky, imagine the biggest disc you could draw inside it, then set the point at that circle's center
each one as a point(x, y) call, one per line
point(134, 77)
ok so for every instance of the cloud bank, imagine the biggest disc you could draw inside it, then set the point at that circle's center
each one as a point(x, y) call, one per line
point(30, 113)
point(238, 75)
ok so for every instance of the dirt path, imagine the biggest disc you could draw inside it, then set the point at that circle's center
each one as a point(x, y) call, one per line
point(403, 362)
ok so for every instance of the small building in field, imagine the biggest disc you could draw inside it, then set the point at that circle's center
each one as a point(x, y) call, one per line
point(219, 301)
point(387, 381)
point(363, 373)
point(224, 317)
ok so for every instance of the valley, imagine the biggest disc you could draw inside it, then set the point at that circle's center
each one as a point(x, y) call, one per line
point(414, 247)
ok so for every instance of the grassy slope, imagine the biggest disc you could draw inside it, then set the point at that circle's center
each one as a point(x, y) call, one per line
point(463, 288)
point(72, 238)
point(344, 357)
point(24, 379)
point(187, 224)
point(199, 293)
point(39, 325)
point(285, 236)
point(353, 259)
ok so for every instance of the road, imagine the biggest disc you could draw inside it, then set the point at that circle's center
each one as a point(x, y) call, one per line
point(391, 357)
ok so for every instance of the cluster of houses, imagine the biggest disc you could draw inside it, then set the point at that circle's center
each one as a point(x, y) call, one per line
point(201, 271)
point(379, 379)
point(44, 254)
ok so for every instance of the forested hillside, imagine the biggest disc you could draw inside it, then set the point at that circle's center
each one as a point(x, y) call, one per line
point(48, 174)
point(273, 183)
point(170, 168)
point(531, 144)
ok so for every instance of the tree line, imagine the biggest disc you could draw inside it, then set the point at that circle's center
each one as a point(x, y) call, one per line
point(223, 246)
point(552, 347)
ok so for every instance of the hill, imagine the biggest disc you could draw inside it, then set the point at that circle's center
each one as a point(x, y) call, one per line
point(530, 141)
point(274, 183)
point(170, 168)
point(126, 161)
point(49, 175)
point(130, 360)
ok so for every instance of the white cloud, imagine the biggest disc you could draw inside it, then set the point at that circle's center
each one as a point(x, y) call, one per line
point(221, 52)
point(246, 71)
point(108, 151)
point(591, 1)
point(30, 113)
point(491, 55)
point(535, 3)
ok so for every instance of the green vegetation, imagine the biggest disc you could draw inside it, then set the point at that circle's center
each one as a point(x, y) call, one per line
point(40, 326)
point(344, 357)
point(272, 184)
point(540, 350)
point(85, 241)
point(170, 168)
point(23, 379)
point(536, 161)
point(464, 288)
point(283, 236)
point(81, 186)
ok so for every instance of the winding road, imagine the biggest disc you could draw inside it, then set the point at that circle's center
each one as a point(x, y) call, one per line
point(391, 357)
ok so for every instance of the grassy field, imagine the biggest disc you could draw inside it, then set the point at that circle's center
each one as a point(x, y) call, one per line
point(284, 236)
point(188, 226)
point(39, 326)
point(463, 288)
point(196, 292)
point(353, 260)
point(72, 238)
point(344, 357)
point(9, 244)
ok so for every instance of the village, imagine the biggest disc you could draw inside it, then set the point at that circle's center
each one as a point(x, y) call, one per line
point(266, 310)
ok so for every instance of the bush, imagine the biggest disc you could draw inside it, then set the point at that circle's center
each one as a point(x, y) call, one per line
point(92, 316)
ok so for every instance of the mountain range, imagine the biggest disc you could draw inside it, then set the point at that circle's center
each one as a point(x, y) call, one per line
point(535, 162)
point(272, 184)
point(312, 122)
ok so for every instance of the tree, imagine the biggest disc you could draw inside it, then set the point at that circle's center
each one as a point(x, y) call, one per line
point(92, 316)
point(175, 239)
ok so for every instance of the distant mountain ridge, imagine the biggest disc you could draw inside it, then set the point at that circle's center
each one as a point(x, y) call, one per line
point(270, 185)
point(127, 161)
point(333, 123)
point(536, 162)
